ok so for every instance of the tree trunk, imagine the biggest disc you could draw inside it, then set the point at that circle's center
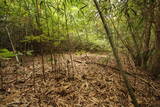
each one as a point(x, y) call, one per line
point(144, 55)
point(147, 13)
point(115, 53)
point(13, 47)
point(156, 58)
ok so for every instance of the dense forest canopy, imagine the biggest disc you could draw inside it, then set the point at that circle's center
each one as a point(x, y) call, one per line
point(117, 27)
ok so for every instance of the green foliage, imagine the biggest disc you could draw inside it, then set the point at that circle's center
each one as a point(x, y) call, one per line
point(76, 18)
point(6, 54)
point(40, 38)
point(50, 18)
point(29, 53)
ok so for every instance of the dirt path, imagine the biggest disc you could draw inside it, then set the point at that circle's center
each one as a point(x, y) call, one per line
point(83, 85)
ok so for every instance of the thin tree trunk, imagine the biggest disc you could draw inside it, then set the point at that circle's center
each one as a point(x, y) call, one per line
point(51, 57)
point(1, 74)
point(147, 34)
point(34, 76)
point(109, 37)
point(148, 14)
point(126, 44)
point(146, 47)
point(69, 40)
point(42, 59)
point(14, 50)
point(37, 15)
point(133, 36)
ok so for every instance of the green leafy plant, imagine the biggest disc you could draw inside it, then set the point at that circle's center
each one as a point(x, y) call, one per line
point(6, 54)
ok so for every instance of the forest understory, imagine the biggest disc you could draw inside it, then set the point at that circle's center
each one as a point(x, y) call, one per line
point(88, 80)
point(79, 53)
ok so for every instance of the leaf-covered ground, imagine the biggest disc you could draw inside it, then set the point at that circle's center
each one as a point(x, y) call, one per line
point(90, 80)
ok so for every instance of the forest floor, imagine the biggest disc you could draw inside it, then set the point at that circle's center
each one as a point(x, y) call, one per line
point(92, 80)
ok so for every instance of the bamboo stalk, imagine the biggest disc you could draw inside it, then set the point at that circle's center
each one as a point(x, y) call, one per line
point(14, 50)
point(115, 53)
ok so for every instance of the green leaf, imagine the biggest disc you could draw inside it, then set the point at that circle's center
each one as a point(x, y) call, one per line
point(5, 53)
